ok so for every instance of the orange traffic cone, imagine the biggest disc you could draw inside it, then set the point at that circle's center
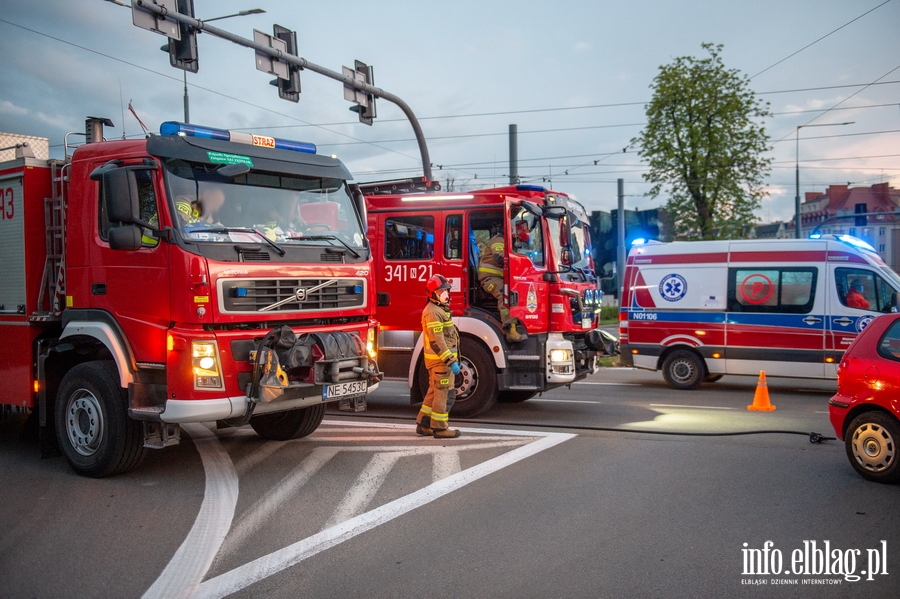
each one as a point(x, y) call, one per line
point(761, 401)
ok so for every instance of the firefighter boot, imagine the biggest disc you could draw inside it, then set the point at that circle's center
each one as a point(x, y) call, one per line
point(512, 332)
point(424, 428)
point(447, 433)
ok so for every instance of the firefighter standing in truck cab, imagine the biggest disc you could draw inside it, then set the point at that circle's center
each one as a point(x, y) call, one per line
point(440, 346)
point(490, 276)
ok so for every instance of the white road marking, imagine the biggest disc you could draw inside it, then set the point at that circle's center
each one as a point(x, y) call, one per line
point(277, 495)
point(195, 555)
point(566, 401)
point(669, 405)
point(611, 384)
point(365, 487)
point(252, 572)
point(444, 464)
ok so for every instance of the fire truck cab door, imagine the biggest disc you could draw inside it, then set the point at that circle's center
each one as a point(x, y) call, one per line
point(526, 263)
point(132, 285)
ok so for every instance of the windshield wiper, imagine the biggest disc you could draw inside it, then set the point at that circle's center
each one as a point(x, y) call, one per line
point(326, 238)
point(260, 234)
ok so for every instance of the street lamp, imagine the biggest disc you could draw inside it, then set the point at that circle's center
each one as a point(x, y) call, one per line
point(243, 13)
point(797, 226)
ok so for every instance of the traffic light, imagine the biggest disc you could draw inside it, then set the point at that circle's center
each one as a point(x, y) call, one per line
point(183, 52)
point(364, 101)
point(861, 220)
point(288, 89)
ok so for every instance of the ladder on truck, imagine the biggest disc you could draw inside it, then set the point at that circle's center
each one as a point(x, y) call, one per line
point(51, 298)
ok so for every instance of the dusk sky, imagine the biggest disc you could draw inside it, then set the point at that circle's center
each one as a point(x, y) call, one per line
point(574, 76)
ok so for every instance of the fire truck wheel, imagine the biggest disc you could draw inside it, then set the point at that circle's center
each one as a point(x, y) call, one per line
point(683, 369)
point(476, 385)
point(92, 424)
point(515, 396)
point(292, 424)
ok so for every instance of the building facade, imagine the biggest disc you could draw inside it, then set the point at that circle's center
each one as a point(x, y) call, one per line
point(868, 213)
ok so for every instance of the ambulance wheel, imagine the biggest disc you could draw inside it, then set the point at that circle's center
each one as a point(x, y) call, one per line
point(291, 424)
point(871, 442)
point(683, 369)
point(476, 384)
point(92, 424)
point(515, 396)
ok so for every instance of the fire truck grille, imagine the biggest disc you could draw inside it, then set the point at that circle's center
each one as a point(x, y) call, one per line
point(291, 295)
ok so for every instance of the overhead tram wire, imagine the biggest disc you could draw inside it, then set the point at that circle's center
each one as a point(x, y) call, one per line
point(820, 39)
point(496, 113)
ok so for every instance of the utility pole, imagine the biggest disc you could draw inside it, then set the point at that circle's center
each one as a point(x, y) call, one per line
point(620, 246)
point(513, 154)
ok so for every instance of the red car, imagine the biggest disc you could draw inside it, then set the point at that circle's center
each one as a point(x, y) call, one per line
point(865, 412)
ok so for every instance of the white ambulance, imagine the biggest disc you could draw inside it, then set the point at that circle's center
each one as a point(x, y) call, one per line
point(700, 310)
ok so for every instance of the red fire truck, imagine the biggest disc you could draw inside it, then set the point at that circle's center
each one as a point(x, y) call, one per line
point(198, 275)
point(550, 287)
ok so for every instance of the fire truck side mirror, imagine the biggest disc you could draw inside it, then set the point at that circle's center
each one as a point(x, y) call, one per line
point(127, 237)
point(121, 194)
point(360, 201)
point(554, 212)
point(532, 208)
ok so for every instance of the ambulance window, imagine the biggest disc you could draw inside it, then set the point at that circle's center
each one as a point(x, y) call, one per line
point(146, 203)
point(526, 235)
point(409, 238)
point(773, 290)
point(453, 237)
point(862, 289)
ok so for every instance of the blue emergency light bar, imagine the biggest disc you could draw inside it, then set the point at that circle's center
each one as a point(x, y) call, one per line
point(175, 128)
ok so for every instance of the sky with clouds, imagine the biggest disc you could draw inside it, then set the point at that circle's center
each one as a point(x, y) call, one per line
point(573, 75)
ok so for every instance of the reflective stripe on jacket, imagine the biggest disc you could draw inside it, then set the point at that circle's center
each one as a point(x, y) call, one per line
point(491, 263)
point(441, 342)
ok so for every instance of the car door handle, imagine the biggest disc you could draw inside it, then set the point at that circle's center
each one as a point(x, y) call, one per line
point(811, 320)
point(843, 320)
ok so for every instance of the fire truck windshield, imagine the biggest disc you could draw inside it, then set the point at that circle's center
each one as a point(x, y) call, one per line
point(287, 209)
point(571, 245)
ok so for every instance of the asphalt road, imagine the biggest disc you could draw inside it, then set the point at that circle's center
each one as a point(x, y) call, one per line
point(531, 507)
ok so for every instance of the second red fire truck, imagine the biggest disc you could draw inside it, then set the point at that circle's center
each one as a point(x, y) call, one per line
point(550, 287)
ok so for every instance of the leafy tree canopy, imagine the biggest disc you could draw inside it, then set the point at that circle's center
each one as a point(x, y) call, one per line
point(705, 146)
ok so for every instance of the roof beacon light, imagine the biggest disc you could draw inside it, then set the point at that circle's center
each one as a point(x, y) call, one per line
point(856, 242)
point(174, 128)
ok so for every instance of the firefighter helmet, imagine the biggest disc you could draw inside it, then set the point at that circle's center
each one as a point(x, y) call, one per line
point(185, 210)
point(436, 283)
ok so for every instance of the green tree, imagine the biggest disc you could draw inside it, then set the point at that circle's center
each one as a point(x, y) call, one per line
point(705, 146)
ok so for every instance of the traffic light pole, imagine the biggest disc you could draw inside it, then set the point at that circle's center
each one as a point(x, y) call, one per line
point(302, 63)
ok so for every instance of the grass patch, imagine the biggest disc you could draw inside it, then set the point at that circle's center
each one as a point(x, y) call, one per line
point(609, 315)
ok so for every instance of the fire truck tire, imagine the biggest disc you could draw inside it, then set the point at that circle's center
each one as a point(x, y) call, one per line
point(291, 424)
point(476, 385)
point(683, 369)
point(476, 388)
point(92, 424)
point(515, 396)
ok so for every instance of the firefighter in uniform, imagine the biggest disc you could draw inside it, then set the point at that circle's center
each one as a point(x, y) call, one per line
point(490, 276)
point(440, 346)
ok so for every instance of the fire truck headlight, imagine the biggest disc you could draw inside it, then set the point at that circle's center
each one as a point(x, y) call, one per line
point(560, 355)
point(371, 343)
point(205, 362)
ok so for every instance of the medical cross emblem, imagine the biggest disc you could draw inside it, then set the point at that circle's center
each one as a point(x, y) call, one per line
point(672, 287)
